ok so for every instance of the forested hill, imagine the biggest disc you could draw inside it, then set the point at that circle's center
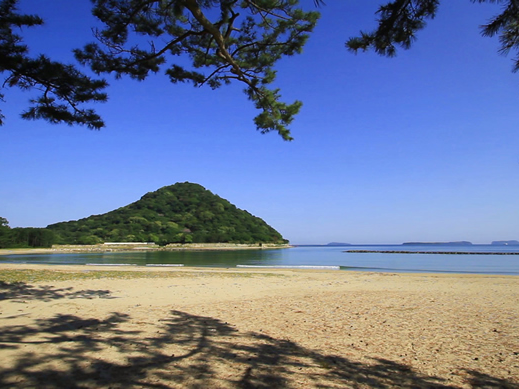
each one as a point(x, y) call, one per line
point(179, 213)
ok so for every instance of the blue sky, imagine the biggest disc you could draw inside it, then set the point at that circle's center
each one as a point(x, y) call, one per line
point(421, 147)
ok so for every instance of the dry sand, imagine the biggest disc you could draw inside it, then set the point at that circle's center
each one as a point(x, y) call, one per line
point(203, 328)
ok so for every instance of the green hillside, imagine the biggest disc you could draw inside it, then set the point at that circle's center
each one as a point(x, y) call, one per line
point(179, 213)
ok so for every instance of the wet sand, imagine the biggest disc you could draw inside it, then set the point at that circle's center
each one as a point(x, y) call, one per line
point(77, 326)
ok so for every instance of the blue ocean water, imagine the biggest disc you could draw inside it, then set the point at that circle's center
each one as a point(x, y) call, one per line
point(332, 256)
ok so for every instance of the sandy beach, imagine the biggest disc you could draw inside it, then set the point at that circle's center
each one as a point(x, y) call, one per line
point(114, 327)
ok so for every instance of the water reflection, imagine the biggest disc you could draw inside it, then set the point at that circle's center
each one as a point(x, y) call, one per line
point(221, 258)
point(299, 256)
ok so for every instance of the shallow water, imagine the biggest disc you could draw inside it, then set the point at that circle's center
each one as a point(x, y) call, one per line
point(317, 256)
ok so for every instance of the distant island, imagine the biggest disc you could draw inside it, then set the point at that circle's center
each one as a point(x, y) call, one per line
point(505, 243)
point(182, 213)
point(460, 243)
point(338, 244)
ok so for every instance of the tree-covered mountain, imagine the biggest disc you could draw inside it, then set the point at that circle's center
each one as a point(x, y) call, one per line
point(179, 213)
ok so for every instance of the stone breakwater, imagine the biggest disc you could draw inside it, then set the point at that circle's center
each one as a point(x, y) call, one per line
point(432, 252)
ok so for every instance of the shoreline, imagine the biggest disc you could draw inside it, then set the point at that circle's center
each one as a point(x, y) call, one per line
point(68, 326)
point(241, 268)
point(162, 266)
point(131, 268)
point(121, 248)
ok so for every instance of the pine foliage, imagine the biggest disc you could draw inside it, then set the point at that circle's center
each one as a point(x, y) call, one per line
point(63, 88)
point(400, 20)
point(225, 40)
point(202, 42)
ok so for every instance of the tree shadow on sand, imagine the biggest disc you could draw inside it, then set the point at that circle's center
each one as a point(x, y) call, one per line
point(185, 351)
point(20, 291)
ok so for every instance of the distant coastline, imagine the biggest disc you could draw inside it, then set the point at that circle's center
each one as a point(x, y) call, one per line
point(431, 252)
point(459, 243)
point(338, 244)
point(505, 243)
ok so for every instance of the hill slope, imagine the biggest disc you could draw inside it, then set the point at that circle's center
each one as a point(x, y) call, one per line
point(179, 213)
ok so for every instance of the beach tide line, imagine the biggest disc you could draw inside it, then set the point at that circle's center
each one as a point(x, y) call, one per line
point(110, 264)
point(293, 267)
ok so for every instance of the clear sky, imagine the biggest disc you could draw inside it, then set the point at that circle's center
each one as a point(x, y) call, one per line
point(421, 147)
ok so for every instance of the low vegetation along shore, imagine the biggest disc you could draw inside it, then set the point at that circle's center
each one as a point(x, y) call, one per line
point(67, 326)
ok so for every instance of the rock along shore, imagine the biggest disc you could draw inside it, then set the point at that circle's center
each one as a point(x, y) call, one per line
point(137, 246)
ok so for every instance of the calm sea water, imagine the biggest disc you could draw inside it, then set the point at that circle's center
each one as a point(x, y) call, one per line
point(307, 256)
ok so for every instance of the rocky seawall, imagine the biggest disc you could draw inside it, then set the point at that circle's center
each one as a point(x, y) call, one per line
point(143, 246)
